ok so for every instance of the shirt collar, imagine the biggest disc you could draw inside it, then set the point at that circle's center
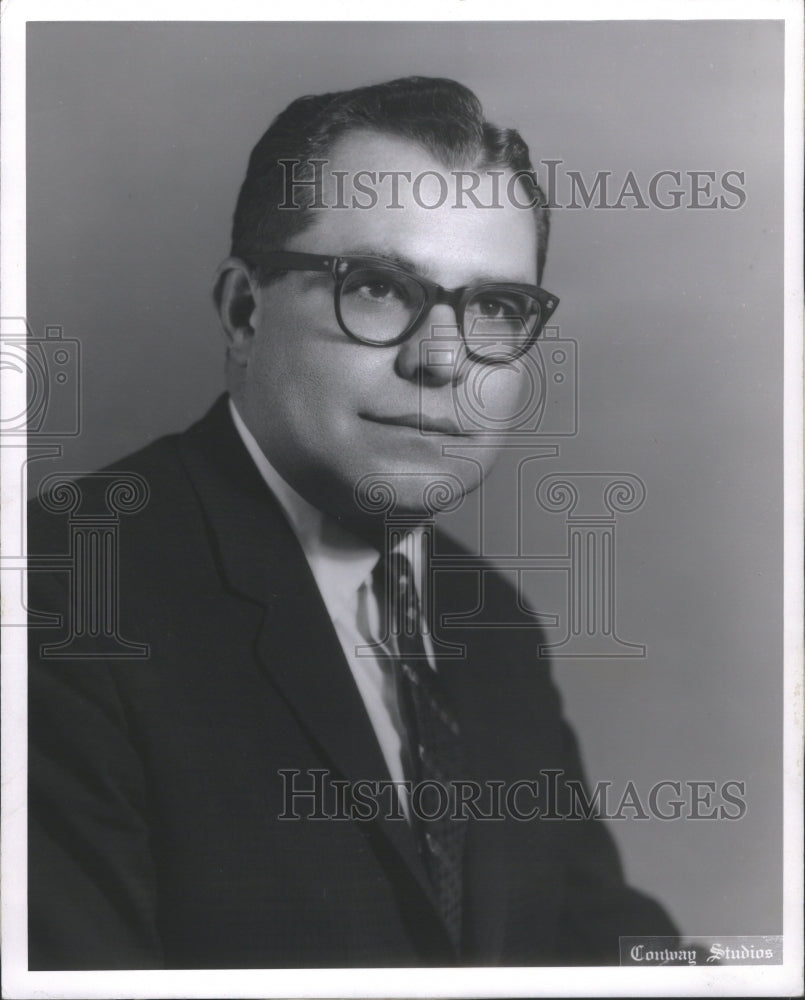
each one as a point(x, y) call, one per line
point(339, 560)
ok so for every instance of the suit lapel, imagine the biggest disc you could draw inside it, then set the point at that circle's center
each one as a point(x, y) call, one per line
point(261, 559)
point(300, 651)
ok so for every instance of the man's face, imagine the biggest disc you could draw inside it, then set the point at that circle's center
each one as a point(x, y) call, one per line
point(329, 411)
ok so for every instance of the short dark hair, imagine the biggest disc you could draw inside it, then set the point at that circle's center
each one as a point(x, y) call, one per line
point(441, 115)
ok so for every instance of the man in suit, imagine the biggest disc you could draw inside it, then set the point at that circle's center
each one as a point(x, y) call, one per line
point(309, 767)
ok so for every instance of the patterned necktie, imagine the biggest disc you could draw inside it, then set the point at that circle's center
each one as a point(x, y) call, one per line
point(434, 743)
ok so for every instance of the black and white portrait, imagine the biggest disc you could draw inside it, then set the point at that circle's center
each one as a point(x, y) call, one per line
point(394, 504)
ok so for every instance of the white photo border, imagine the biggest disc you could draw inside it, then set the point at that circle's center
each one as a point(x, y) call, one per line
point(722, 981)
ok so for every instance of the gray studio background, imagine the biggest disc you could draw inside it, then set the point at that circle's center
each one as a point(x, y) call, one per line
point(138, 137)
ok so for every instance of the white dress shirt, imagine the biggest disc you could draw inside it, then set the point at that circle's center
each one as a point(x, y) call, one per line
point(342, 565)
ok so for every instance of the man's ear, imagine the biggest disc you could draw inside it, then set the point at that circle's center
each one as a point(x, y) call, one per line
point(234, 296)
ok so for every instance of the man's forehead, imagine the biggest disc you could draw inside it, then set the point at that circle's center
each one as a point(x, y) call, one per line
point(361, 152)
point(386, 252)
point(387, 196)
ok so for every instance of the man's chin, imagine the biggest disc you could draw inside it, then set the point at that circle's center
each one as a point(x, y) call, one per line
point(407, 492)
point(402, 490)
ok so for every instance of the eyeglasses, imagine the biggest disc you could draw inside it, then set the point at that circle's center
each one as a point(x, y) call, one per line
point(381, 304)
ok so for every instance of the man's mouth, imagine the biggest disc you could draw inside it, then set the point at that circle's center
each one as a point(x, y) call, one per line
point(418, 422)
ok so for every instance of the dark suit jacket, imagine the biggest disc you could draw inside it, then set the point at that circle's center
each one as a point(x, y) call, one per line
point(155, 792)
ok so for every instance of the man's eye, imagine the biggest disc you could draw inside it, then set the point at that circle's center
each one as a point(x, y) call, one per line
point(491, 307)
point(379, 290)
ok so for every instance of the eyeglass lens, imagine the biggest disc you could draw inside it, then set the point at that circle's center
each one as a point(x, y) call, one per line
point(379, 305)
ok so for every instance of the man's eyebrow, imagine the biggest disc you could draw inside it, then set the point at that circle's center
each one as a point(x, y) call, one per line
point(391, 257)
point(388, 257)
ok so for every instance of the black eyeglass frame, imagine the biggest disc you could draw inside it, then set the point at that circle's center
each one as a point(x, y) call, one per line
point(341, 266)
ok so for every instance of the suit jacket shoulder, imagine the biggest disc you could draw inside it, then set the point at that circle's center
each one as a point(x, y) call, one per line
point(186, 687)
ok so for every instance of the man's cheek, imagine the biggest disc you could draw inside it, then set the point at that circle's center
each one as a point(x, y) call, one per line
point(492, 395)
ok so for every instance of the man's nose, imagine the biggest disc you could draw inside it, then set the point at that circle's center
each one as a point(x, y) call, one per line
point(435, 353)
